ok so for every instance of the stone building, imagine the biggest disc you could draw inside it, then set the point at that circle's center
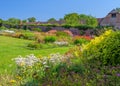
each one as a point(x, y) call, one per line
point(112, 19)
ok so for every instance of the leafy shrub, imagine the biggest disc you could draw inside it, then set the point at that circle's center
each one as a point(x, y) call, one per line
point(39, 36)
point(80, 41)
point(3, 28)
point(24, 35)
point(37, 29)
point(48, 39)
point(91, 64)
point(17, 35)
point(34, 45)
point(105, 48)
point(77, 67)
point(28, 35)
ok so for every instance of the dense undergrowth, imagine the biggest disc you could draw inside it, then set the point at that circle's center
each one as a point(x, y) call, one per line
point(94, 64)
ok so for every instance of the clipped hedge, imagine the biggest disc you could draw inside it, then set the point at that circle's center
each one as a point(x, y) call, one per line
point(105, 48)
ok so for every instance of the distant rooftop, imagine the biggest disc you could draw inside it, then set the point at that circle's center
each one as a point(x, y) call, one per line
point(117, 10)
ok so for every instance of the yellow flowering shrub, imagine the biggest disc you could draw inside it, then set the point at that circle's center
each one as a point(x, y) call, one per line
point(97, 40)
point(105, 48)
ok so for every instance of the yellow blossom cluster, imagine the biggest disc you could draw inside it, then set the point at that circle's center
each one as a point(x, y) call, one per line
point(97, 40)
point(12, 81)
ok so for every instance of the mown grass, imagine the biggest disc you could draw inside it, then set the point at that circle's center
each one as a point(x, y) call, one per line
point(13, 47)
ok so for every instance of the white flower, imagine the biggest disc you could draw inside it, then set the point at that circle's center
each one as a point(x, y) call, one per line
point(30, 60)
point(46, 62)
point(8, 31)
point(61, 43)
point(19, 60)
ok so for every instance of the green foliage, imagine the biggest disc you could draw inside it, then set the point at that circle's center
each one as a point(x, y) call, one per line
point(28, 35)
point(76, 66)
point(19, 46)
point(48, 39)
point(56, 69)
point(3, 28)
point(37, 29)
point(51, 20)
point(13, 21)
point(24, 21)
point(88, 20)
point(66, 26)
point(84, 27)
point(91, 21)
point(80, 41)
point(31, 19)
point(104, 48)
point(43, 71)
point(34, 45)
point(1, 21)
point(72, 19)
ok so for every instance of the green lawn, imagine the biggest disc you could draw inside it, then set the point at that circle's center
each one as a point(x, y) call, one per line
point(12, 47)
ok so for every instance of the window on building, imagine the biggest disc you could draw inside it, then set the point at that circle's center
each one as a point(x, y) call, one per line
point(113, 15)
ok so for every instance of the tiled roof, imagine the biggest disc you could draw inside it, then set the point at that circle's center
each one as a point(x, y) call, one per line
point(115, 11)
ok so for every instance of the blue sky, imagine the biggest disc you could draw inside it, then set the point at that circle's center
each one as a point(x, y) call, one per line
point(42, 10)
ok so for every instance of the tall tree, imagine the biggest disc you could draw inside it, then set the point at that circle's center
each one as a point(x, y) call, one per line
point(61, 19)
point(24, 21)
point(83, 19)
point(72, 19)
point(51, 20)
point(13, 21)
point(31, 19)
point(88, 20)
point(92, 21)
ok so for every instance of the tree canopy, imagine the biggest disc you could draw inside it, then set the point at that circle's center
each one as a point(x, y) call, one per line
point(72, 19)
point(52, 20)
point(13, 21)
point(31, 19)
point(75, 19)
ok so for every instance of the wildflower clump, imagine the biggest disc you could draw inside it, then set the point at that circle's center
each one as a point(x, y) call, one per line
point(52, 60)
point(30, 60)
point(36, 69)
